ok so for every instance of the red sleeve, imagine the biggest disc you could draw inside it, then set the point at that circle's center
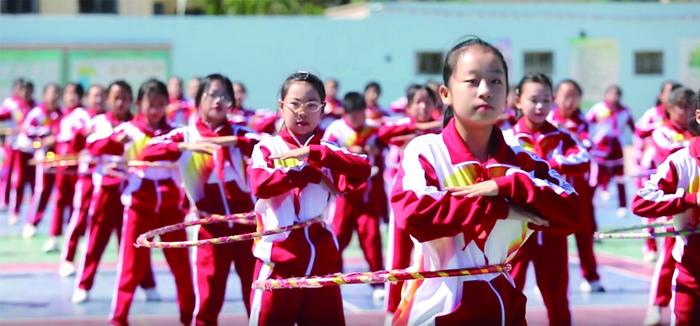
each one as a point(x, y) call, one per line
point(426, 213)
point(387, 132)
point(542, 190)
point(106, 146)
point(350, 171)
point(246, 142)
point(164, 148)
point(574, 160)
point(661, 196)
point(268, 181)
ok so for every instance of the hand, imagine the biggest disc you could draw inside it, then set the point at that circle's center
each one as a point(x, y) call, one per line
point(48, 141)
point(482, 189)
point(517, 212)
point(356, 149)
point(199, 147)
point(428, 125)
point(223, 140)
point(297, 153)
point(122, 138)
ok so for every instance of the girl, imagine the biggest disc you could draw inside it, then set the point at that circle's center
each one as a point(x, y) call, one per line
point(40, 126)
point(295, 176)
point(465, 197)
point(547, 251)
point(567, 116)
point(70, 141)
point(673, 191)
point(212, 156)
point(179, 109)
point(608, 120)
point(334, 107)
point(151, 200)
point(240, 115)
point(421, 102)
point(375, 114)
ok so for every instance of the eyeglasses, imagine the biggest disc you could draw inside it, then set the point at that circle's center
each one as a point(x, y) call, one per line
point(310, 107)
point(225, 99)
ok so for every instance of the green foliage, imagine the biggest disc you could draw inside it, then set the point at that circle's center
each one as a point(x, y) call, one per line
point(267, 7)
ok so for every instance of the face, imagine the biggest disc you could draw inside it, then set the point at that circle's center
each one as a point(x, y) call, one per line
point(301, 108)
point(477, 88)
point(70, 97)
point(356, 119)
point(153, 107)
point(422, 106)
point(371, 95)
point(331, 88)
point(535, 101)
point(175, 87)
point(26, 93)
point(119, 101)
point(214, 104)
point(95, 98)
point(510, 99)
point(51, 96)
point(679, 114)
point(239, 94)
point(612, 96)
point(192, 88)
point(567, 99)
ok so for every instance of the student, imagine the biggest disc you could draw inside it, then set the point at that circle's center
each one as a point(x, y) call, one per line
point(152, 199)
point(295, 176)
point(673, 191)
point(179, 109)
point(70, 141)
point(334, 107)
point(212, 154)
point(567, 115)
point(375, 114)
point(192, 89)
point(608, 120)
point(239, 114)
point(650, 120)
point(548, 252)
point(672, 135)
point(509, 117)
point(466, 197)
point(419, 120)
point(360, 210)
point(40, 126)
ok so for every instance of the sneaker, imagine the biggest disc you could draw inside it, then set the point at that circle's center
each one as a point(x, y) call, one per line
point(378, 295)
point(591, 287)
point(12, 219)
point(653, 316)
point(51, 245)
point(152, 294)
point(66, 269)
point(28, 231)
point(80, 296)
point(621, 212)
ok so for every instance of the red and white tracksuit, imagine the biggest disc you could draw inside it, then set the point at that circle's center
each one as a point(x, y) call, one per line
point(72, 134)
point(549, 252)
point(362, 209)
point(607, 122)
point(180, 113)
point(673, 191)
point(151, 199)
point(456, 232)
point(666, 139)
point(397, 134)
point(645, 152)
point(508, 119)
point(38, 124)
point(291, 191)
point(577, 126)
point(216, 184)
point(16, 168)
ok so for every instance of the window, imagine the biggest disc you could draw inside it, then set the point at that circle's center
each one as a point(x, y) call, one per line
point(539, 61)
point(429, 63)
point(648, 63)
point(158, 8)
point(97, 6)
point(19, 6)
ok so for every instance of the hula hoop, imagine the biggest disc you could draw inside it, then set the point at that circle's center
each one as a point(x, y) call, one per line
point(383, 276)
point(647, 235)
point(639, 227)
point(142, 240)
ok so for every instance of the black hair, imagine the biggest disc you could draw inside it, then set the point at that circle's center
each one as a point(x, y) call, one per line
point(206, 82)
point(241, 85)
point(413, 89)
point(29, 85)
point(674, 86)
point(353, 101)
point(451, 62)
point(682, 95)
point(152, 86)
point(571, 82)
point(616, 88)
point(537, 77)
point(51, 84)
point(304, 76)
point(78, 89)
point(123, 85)
point(19, 82)
point(375, 85)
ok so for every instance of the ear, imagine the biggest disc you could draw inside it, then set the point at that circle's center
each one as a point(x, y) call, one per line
point(445, 95)
point(280, 105)
point(697, 115)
